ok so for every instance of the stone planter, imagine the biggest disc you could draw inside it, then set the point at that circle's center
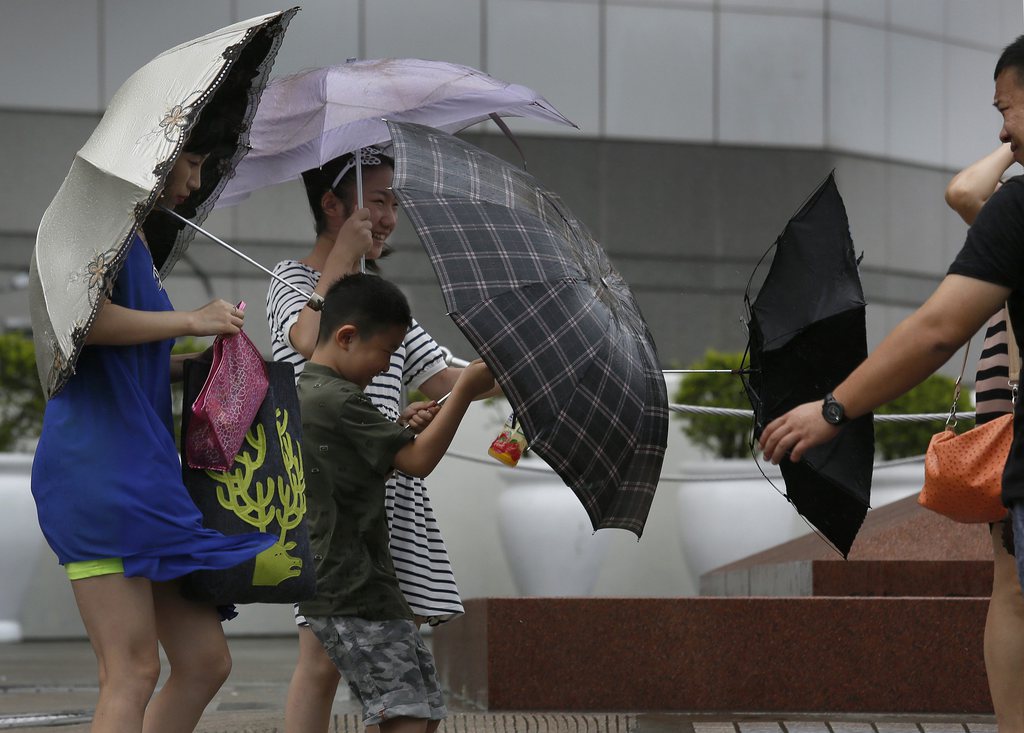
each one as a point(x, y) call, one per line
point(730, 511)
point(891, 483)
point(549, 543)
point(20, 539)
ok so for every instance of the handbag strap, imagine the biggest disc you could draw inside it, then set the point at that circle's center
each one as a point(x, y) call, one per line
point(1013, 352)
point(951, 418)
point(1011, 347)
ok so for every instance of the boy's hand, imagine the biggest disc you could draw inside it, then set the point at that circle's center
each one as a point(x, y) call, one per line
point(418, 415)
point(475, 379)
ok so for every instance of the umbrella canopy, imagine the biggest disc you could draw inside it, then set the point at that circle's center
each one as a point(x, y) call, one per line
point(310, 118)
point(807, 333)
point(116, 177)
point(536, 296)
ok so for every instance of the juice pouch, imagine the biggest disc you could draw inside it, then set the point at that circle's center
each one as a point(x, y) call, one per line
point(508, 447)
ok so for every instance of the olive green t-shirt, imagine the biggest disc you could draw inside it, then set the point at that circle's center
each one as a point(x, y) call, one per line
point(348, 451)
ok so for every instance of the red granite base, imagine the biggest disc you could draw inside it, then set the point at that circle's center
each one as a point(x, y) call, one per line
point(888, 655)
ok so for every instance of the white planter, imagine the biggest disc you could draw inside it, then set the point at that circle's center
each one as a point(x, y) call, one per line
point(550, 545)
point(20, 539)
point(722, 521)
point(730, 512)
point(892, 483)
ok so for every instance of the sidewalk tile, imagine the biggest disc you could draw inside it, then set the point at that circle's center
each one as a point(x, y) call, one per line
point(713, 728)
point(846, 726)
point(897, 728)
point(807, 726)
point(759, 727)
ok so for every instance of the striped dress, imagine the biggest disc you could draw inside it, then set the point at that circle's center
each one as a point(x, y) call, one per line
point(991, 384)
point(421, 560)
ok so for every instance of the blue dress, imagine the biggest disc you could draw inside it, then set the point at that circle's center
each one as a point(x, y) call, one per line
point(106, 475)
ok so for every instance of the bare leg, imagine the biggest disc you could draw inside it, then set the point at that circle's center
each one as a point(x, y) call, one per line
point(312, 688)
point(404, 725)
point(119, 619)
point(193, 639)
point(1004, 639)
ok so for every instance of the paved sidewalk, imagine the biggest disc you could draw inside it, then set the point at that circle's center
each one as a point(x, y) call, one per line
point(51, 686)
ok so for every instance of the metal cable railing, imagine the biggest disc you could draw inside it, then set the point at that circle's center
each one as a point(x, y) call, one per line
point(731, 412)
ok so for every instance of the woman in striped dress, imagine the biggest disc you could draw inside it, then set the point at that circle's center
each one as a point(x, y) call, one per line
point(1004, 624)
point(345, 233)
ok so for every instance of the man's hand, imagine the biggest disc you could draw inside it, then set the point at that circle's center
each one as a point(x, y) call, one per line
point(794, 433)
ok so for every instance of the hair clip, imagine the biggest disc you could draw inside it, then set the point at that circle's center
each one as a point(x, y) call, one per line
point(367, 156)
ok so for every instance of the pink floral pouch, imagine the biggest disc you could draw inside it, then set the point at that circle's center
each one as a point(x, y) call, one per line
point(227, 404)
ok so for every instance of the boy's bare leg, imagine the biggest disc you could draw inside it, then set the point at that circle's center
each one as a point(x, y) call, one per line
point(200, 662)
point(1004, 639)
point(405, 725)
point(312, 688)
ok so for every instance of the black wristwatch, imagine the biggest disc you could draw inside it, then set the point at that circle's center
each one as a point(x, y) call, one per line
point(833, 412)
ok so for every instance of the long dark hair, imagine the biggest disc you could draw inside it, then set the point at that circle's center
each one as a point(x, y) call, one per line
point(317, 182)
point(214, 134)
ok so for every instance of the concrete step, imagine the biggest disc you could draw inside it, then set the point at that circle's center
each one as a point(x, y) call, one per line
point(800, 578)
point(811, 654)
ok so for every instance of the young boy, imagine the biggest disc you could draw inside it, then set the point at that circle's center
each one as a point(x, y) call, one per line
point(349, 448)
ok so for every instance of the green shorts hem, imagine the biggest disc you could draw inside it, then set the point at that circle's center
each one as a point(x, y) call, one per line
point(93, 568)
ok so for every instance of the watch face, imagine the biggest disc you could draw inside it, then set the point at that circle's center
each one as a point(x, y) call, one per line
point(833, 412)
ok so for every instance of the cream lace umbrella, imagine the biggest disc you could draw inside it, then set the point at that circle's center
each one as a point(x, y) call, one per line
point(117, 176)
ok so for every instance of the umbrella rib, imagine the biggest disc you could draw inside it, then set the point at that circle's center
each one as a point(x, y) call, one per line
point(233, 250)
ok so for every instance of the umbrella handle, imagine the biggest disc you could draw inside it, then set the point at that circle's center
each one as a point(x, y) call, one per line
point(359, 196)
point(314, 300)
point(709, 371)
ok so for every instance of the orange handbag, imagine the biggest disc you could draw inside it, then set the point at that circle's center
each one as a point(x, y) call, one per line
point(963, 474)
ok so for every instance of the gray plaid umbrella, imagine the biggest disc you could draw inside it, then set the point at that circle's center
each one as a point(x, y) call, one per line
point(535, 295)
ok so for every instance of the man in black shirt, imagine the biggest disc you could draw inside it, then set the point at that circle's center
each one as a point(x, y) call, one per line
point(988, 271)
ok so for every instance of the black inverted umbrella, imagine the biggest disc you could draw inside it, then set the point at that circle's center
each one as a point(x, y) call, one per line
point(536, 296)
point(807, 333)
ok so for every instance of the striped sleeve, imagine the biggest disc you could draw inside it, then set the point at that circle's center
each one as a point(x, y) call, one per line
point(423, 357)
point(284, 306)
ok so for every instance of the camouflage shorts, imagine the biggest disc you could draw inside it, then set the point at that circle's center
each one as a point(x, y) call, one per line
point(386, 664)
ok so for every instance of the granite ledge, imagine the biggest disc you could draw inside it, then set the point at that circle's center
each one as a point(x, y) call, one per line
point(839, 655)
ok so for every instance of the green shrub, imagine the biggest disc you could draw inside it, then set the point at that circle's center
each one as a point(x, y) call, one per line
point(724, 436)
point(21, 396)
point(904, 439)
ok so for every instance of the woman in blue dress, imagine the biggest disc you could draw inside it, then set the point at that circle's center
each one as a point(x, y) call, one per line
point(109, 494)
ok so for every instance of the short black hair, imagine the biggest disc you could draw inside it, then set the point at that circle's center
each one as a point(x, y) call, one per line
point(368, 302)
point(1012, 57)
